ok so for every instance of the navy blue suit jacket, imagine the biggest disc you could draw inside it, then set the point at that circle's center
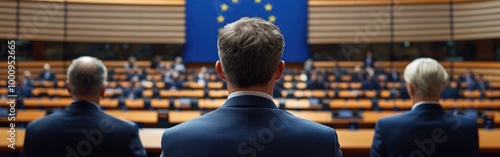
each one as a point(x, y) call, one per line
point(250, 126)
point(82, 130)
point(425, 131)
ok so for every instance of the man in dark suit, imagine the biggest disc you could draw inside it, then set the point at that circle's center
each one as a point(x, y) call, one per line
point(83, 129)
point(427, 130)
point(369, 61)
point(249, 123)
point(393, 76)
point(47, 74)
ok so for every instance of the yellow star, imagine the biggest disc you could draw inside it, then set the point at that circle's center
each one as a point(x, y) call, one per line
point(257, 1)
point(220, 19)
point(272, 18)
point(268, 7)
point(224, 7)
point(235, 1)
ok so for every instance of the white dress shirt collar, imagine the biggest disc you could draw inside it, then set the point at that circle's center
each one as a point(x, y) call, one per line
point(422, 103)
point(253, 93)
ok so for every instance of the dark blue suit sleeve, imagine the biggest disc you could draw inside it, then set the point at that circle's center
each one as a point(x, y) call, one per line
point(377, 149)
point(475, 136)
point(136, 145)
point(338, 152)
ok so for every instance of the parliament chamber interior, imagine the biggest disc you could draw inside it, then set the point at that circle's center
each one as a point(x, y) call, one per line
point(160, 56)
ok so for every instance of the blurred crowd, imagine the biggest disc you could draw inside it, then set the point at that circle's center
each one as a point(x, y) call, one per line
point(175, 76)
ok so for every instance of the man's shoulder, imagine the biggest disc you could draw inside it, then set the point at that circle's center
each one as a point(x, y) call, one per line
point(100, 117)
point(395, 118)
point(278, 117)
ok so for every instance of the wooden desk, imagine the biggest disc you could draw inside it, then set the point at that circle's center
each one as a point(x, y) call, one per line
point(211, 103)
point(135, 103)
point(25, 116)
point(46, 102)
point(139, 116)
point(218, 93)
point(182, 93)
point(160, 103)
point(351, 104)
point(325, 117)
point(350, 140)
point(177, 117)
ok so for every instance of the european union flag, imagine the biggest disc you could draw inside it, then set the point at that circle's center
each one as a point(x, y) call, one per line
point(204, 18)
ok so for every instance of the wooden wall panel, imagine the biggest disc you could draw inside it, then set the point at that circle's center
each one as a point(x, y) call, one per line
point(480, 20)
point(350, 24)
point(41, 20)
point(8, 19)
point(126, 23)
point(429, 22)
point(333, 21)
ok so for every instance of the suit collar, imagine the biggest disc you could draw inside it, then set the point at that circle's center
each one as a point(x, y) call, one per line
point(249, 101)
point(78, 105)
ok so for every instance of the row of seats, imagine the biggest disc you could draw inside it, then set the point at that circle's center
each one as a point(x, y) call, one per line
point(301, 104)
point(151, 118)
point(215, 93)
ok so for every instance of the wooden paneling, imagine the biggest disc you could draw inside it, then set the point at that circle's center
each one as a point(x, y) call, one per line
point(342, 21)
point(8, 19)
point(126, 23)
point(149, 21)
point(479, 20)
point(378, 2)
point(350, 24)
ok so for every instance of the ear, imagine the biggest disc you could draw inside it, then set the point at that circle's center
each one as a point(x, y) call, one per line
point(279, 71)
point(220, 72)
point(67, 87)
point(102, 91)
point(410, 89)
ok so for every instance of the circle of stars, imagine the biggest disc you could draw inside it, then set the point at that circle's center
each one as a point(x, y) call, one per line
point(268, 7)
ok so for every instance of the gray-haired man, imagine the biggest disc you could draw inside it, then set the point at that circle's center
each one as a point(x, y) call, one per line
point(83, 129)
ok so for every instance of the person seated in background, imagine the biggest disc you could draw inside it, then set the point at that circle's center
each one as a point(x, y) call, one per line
point(179, 65)
point(316, 81)
point(202, 77)
point(427, 129)
point(308, 65)
point(450, 92)
point(403, 91)
point(370, 72)
point(369, 61)
point(156, 63)
point(393, 76)
point(27, 85)
point(338, 72)
point(481, 85)
point(131, 63)
point(47, 74)
point(137, 75)
point(83, 129)
point(357, 75)
point(176, 83)
point(249, 123)
point(134, 91)
point(370, 84)
point(468, 78)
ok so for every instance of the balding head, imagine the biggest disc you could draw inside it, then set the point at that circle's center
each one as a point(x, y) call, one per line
point(86, 76)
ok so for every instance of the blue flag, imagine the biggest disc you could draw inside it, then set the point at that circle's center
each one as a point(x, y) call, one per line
point(204, 18)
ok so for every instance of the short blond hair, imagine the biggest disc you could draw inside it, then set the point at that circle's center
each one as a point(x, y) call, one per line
point(427, 76)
